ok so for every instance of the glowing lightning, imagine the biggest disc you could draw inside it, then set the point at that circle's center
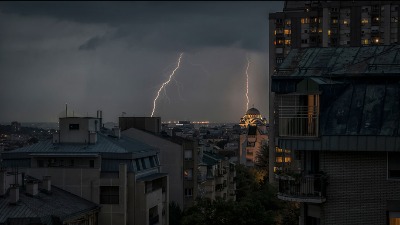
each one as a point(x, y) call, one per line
point(247, 82)
point(166, 83)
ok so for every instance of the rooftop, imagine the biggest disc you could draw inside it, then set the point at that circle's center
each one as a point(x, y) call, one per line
point(339, 61)
point(44, 207)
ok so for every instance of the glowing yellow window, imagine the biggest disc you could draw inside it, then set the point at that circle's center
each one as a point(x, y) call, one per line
point(287, 31)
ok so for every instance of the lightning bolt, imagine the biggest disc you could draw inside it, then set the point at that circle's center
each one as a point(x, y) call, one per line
point(166, 83)
point(247, 82)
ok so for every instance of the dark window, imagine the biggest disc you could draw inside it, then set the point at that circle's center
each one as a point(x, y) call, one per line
point(74, 126)
point(71, 163)
point(394, 165)
point(109, 195)
point(152, 164)
point(188, 192)
point(137, 164)
point(91, 162)
point(143, 164)
point(40, 163)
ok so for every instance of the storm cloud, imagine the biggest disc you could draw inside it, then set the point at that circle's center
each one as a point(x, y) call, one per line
point(114, 56)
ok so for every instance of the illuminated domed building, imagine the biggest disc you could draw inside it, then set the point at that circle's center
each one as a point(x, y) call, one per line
point(252, 117)
point(253, 137)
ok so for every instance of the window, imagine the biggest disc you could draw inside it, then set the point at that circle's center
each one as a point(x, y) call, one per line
point(394, 165)
point(365, 41)
point(91, 163)
point(279, 60)
point(304, 41)
point(287, 42)
point(40, 163)
point(152, 164)
point(188, 173)
point(73, 126)
point(188, 192)
point(188, 154)
point(137, 164)
point(305, 20)
point(143, 164)
point(298, 115)
point(251, 144)
point(109, 195)
point(287, 31)
point(394, 218)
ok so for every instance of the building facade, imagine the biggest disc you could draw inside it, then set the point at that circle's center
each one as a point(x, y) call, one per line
point(337, 111)
point(253, 137)
point(305, 24)
point(120, 174)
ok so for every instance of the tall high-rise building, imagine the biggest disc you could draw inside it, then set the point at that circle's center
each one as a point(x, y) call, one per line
point(305, 24)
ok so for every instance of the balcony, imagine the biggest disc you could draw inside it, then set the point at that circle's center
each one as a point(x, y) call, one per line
point(309, 188)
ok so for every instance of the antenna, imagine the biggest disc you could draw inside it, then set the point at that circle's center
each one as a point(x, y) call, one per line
point(66, 110)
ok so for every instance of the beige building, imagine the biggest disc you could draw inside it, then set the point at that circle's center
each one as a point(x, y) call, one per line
point(119, 173)
point(253, 137)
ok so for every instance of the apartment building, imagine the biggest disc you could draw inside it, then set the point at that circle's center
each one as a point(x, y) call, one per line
point(119, 173)
point(305, 24)
point(337, 111)
point(216, 177)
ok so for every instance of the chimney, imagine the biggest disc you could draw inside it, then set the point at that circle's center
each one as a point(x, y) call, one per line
point(32, 188)
point(46, 184)
point(14, 194)
point(3, 175)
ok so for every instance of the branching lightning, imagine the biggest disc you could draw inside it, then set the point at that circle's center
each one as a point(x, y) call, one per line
point(166, 83)
point(247, 82)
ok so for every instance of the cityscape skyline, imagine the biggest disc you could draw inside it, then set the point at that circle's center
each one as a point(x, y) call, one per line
point(115, 56)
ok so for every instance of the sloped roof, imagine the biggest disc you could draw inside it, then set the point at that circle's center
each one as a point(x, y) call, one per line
point(105, 144)
point(352, 61)
point(59, 203)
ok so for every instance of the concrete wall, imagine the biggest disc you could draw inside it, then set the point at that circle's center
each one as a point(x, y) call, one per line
point(171, 160)
point(77, 136)
point(150, 124)
point(358, 188)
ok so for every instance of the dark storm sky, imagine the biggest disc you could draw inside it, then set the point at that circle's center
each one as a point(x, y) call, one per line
point(115, 55)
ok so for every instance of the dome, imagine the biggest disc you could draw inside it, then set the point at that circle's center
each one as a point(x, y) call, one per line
point(253, 111)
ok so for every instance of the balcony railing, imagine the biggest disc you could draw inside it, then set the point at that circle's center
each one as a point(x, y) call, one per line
point(298, 121)
point(309, 188)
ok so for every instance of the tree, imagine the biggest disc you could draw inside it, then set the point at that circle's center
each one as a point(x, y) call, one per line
point(262, 157)
point(175, 214)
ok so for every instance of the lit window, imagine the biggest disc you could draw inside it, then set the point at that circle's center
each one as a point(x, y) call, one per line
point(365, 42)
point(334, 21)
point(364, 21)
point(329, 32)
point(305, 20)
point(345, 22)
point(376, 40)
point(188, 174)
point(288, 22)
point(320, 30)
point(287, 31)
point(287, 42)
